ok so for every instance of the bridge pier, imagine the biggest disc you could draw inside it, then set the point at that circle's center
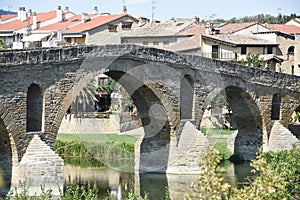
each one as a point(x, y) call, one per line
point(40, 167)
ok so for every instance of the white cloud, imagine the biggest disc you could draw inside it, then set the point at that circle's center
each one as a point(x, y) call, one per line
point(137, 1)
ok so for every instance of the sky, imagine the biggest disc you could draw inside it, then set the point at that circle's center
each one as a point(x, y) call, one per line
point(165, 9)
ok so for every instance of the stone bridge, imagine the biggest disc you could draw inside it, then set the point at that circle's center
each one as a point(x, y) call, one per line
point(171, 92)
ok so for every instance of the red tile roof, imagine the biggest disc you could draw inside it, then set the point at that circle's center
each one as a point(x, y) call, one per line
point(64, 24)
point(289, 29)
point(187, 44)
point(18, 24)
point(234, 27)
point(95, 22)
point(193, 30)
point(8, 16)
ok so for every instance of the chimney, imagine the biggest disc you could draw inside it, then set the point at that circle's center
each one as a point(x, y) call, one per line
point(96, 11)
point(22, 14)
point(34, 21)
point(124, 9)
point(197, 20)
point(29, 12)
point(67, 9)
point(84, 17)
point(59, 15)
point(208, 28)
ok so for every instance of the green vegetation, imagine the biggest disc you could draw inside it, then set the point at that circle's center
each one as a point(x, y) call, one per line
point(297, 117)
point(94, 149)
point(222, 147)
point(252, 60)
point(97, 138)
point(216, 131)
point(72, 192)
point(2, 45)
point(277, 177)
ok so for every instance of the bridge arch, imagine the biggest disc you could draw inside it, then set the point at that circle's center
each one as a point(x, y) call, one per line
point(9, 152)
point(248, 120)
point(153, 106)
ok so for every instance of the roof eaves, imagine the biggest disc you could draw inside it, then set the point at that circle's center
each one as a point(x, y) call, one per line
point(220, 41)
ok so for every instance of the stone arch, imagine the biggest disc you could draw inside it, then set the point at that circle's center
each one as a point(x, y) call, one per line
point(151, 107)
point(275, 109)
point(248, 120)
point(155, 145)
point(34, 112)
point(5, 160)
point(186, 97)
point(10, 153)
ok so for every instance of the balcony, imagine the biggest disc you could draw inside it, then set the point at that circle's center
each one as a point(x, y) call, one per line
point(220, 56)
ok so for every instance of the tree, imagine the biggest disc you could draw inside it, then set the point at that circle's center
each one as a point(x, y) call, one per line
point(2, 45)
point(252, 60)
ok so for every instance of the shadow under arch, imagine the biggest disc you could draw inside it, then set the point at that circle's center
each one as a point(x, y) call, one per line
point(5, 160)
point(248, 120)
point(154, 147)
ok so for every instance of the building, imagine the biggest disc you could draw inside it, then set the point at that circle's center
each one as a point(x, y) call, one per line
point(159, 35)
point(103, 29)
point(15, 29)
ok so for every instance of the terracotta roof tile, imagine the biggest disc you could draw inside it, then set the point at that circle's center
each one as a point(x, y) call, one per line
point(95, 22)
point(17, 24)
point(8, 16)
point(193, 30)
point(234, 27)
point(239, 39)
point(64, 24)
point(187, 44)
point(289, 29)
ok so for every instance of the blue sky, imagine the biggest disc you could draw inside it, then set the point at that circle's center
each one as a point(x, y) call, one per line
point(165, 9)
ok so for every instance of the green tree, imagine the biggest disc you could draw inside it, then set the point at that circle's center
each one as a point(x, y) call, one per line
point(252, 60)
point(2, 45)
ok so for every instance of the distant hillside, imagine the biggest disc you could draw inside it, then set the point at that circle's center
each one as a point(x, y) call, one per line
point(4, 12)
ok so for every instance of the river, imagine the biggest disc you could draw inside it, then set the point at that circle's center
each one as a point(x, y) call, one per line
point(119, 182)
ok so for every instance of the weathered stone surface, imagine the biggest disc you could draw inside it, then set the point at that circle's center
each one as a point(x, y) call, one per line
point(152, 77)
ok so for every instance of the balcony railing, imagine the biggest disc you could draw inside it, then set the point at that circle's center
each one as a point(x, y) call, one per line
point(221, 56)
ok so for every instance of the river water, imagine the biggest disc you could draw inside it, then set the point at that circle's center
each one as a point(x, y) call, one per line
point(118, 182)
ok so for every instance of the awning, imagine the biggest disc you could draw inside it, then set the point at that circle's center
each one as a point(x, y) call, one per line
point(34, 37)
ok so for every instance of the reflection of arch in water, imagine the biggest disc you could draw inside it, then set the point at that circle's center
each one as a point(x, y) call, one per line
point(249, 123)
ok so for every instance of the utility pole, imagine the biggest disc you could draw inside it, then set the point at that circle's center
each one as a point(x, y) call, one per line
point(153, 8)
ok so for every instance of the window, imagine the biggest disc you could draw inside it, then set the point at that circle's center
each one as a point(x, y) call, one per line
point(166, 43)
point(155, 43)
point(293, 70)
point(215, 51)
point(243, 50)
point(269, 49)
point(145, 43)
point(291, 50)
point(126, 25)
point(112, 28)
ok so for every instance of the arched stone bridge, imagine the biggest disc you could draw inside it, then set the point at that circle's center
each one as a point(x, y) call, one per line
point(170, 90)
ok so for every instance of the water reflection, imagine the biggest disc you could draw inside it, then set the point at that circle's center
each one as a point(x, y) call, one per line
point(118, 183)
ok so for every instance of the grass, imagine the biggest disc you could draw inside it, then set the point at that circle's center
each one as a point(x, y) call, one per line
point(222, 148)
point(97, 138)
point(211, 131)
